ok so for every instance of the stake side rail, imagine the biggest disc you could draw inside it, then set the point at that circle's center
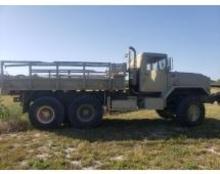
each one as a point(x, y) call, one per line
point(60, 74)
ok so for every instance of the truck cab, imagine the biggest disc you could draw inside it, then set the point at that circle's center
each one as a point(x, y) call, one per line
point(150, 73)
point(172, 94)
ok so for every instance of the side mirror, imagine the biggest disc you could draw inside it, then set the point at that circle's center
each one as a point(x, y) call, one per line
point(170, 63)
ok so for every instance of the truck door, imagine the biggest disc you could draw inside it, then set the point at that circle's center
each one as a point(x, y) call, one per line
point(153, 77)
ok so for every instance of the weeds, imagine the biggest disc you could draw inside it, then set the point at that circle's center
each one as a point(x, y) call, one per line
point(11, 117)
point(4, 112)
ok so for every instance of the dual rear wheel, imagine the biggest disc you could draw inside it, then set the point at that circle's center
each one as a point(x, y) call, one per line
point(48, 112)
point(85, 112)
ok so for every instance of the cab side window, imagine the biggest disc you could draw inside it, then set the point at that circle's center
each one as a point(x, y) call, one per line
point(148, 67)
point(162, 64)
point(159, 65)
point(152, 66)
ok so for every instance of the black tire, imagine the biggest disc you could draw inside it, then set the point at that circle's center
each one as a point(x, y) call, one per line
point(165, 114)
point(186, 117)
point(52, 106)
point(92, 116)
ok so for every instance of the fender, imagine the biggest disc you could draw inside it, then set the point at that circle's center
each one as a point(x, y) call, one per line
point(189, 88)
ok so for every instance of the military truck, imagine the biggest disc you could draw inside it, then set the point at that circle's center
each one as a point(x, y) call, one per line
point(78, 92)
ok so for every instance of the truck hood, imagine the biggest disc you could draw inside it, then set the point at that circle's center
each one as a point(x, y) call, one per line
point(189, 80)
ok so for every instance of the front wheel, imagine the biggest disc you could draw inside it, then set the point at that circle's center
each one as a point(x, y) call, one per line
point(190, 112)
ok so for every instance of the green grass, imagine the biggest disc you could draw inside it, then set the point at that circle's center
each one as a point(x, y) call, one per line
point(136, 140)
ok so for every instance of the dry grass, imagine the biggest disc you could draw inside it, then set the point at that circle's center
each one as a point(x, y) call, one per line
point(136, 140)
point(214, 90)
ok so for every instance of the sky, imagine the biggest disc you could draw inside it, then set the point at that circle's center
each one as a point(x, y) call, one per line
point(189, 34)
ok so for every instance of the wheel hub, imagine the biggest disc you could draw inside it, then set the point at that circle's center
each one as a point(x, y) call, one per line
point(194, 112)
point(85, 112)
point(45, 114)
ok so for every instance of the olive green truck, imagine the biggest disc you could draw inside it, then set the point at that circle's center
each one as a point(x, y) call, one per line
point(79, 92)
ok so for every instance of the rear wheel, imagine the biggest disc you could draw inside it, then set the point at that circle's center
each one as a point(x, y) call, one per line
point(46, 112)
point(190, 112)
point(85, 112)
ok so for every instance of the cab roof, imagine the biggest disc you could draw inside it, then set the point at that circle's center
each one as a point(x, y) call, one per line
point(152, 57)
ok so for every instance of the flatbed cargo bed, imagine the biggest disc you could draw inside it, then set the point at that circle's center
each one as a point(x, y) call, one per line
point(35, 75)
